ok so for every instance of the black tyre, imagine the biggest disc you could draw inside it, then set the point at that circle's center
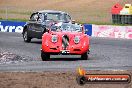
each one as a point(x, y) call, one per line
point(84, 56)
point(26, 37)
point(45, 56)
point(81, 80)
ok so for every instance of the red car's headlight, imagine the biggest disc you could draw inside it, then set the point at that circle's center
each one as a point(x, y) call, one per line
point(54, 38)
point(77, 39)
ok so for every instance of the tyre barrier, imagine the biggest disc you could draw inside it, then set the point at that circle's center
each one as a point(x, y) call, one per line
point(121, 19)
point(121, 15)
point(11, 26)
point(116, 19)
point(17, 26)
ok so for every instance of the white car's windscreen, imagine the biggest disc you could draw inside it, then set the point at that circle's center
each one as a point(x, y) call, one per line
point(54, 16)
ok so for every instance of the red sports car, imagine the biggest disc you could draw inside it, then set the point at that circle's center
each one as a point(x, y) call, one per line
point(65, 39)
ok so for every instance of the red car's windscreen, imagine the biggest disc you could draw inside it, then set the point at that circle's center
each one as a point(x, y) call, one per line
point(66, 27)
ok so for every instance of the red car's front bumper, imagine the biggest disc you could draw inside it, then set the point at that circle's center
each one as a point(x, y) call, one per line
point(72, 49)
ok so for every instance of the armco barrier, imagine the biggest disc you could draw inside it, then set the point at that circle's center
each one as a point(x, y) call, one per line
point(92, 30)
point(16, 26)
point(11, 26)
point(112, 31)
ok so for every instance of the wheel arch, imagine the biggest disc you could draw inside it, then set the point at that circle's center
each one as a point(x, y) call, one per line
point(24, 29)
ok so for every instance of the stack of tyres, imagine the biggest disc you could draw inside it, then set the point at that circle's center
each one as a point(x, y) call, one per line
point(122, 19)
point(119, 19)
point(129, 19)
point(113, 17)
point(116, 18)
point(126, 19)
point(126, 14)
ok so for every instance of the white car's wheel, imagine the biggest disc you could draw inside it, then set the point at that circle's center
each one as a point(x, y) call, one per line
point(25, 37)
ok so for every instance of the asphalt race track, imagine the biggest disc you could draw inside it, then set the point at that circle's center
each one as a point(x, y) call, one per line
point(106, 54)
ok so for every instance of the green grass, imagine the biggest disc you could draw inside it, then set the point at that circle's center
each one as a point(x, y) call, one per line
point(16, 12)
point(97, 23)
point(11, 19)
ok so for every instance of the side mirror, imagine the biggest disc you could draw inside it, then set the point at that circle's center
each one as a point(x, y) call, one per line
point(46, 30)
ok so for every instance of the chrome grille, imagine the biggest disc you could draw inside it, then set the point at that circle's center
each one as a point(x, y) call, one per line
point(65, 41)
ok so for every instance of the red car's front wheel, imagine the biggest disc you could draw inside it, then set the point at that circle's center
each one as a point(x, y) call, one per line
point(84, 56)
point(45, 56)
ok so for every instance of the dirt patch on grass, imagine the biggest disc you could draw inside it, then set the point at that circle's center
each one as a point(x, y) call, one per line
point(53, 80)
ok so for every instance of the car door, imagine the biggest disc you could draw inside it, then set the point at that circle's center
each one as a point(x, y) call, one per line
point(31, 23)
point(39, 26)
